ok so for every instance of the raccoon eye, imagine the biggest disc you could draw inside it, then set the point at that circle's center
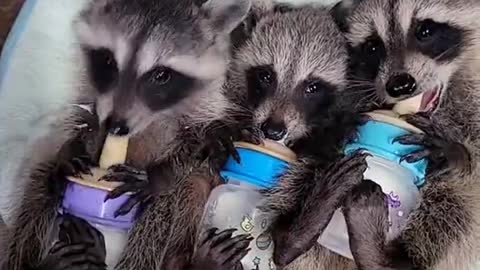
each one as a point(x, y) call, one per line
point(265, 78)
point(160, 76)
point(425, 30)
point(372, 47)
point(313, 88)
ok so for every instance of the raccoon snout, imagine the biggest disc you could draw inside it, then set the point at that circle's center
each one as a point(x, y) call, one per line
point(117, 127)
point(274, 130)
point(401, 85)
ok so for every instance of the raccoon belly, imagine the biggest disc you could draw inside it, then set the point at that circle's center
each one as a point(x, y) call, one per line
point(320, 258)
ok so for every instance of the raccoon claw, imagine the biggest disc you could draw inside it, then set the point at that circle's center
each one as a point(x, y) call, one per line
point(416, 156)
point(138, 199)
point(139, 185)
point(253, 135)
point(221, 250)
point(364, 118)
point(444, 155)
point(122, 168)
point(76, 166)
point(70, 257)
point(75, 230)
point(125, 176)
point(349, 167)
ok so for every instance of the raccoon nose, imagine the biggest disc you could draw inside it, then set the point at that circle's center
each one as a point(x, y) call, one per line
point(117, 127)
point(274, 130)
point(400, 85)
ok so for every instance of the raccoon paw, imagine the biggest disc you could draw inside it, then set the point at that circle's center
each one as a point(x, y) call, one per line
point(218, 146)
point(134, 181)
point(252, 135)
point(346, 173)
point(220, 250)
point(366, 206)
point(64, 256)
point(75, 230)
point(444, 156)
point(366, 215)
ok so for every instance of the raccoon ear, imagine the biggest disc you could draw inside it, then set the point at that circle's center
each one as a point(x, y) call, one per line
point(342, 10)
point(226, 15)
point(258, 10)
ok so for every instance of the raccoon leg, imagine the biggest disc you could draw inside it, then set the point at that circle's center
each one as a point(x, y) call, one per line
point(220, 250)
point(74, 230)
point(444, 154)
point(366, 215)
point(156, 180)
point(27, 238)
point(64, 256)
point(217, 145)
point(296, 233)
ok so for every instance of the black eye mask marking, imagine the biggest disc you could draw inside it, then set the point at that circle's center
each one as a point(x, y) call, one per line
point(366, 58)
point(261, 82)
point(315, 97)
point(102, 68)
point(163, 87)
point(439, 41)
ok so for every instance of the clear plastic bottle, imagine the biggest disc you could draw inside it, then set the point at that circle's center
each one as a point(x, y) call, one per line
point(234, 204)
point(399, 180)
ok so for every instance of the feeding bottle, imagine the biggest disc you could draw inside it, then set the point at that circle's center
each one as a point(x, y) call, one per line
point(84, 198)
point(234, 203)
point(399, 180)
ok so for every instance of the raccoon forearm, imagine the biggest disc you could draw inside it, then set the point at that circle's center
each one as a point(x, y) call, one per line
point(442, 231)
point(27, 238)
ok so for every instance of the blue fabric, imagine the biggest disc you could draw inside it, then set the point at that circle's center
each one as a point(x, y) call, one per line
point(16, 33)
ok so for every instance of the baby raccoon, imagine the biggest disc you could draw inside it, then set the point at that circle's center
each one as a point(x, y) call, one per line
point(401, 48)
point(156, 69)
point(291, 75)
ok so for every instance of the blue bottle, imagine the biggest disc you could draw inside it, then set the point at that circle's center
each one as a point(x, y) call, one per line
point(234, 203)
point(399, 180)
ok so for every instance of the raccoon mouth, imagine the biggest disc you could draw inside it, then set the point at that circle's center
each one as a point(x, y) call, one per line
point(431, 100)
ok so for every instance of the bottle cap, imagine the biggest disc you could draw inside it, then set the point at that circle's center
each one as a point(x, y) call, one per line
point(377, 138)
point(393, 118)
point(260, 165)
point(85, 198)
point(271, 148)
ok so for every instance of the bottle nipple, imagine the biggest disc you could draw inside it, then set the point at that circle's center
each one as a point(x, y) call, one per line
point(408, 106)
point(114, 151)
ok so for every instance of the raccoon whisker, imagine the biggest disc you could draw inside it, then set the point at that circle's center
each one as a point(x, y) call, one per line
point(363, 91)
point(360, 90)
point(447, 51)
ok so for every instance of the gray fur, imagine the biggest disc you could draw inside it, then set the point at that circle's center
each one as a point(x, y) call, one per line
point(177, 34)
point(297, 43)
point(181, 35)
point(443, 231)
point(293, 45)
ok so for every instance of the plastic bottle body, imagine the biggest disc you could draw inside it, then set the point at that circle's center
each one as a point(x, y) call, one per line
point(399, 180)
point(234, 205)
point(402, 196)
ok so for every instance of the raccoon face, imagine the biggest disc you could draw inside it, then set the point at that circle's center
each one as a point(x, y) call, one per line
point(290, 71)
point(150, 59)
point(401, 48)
